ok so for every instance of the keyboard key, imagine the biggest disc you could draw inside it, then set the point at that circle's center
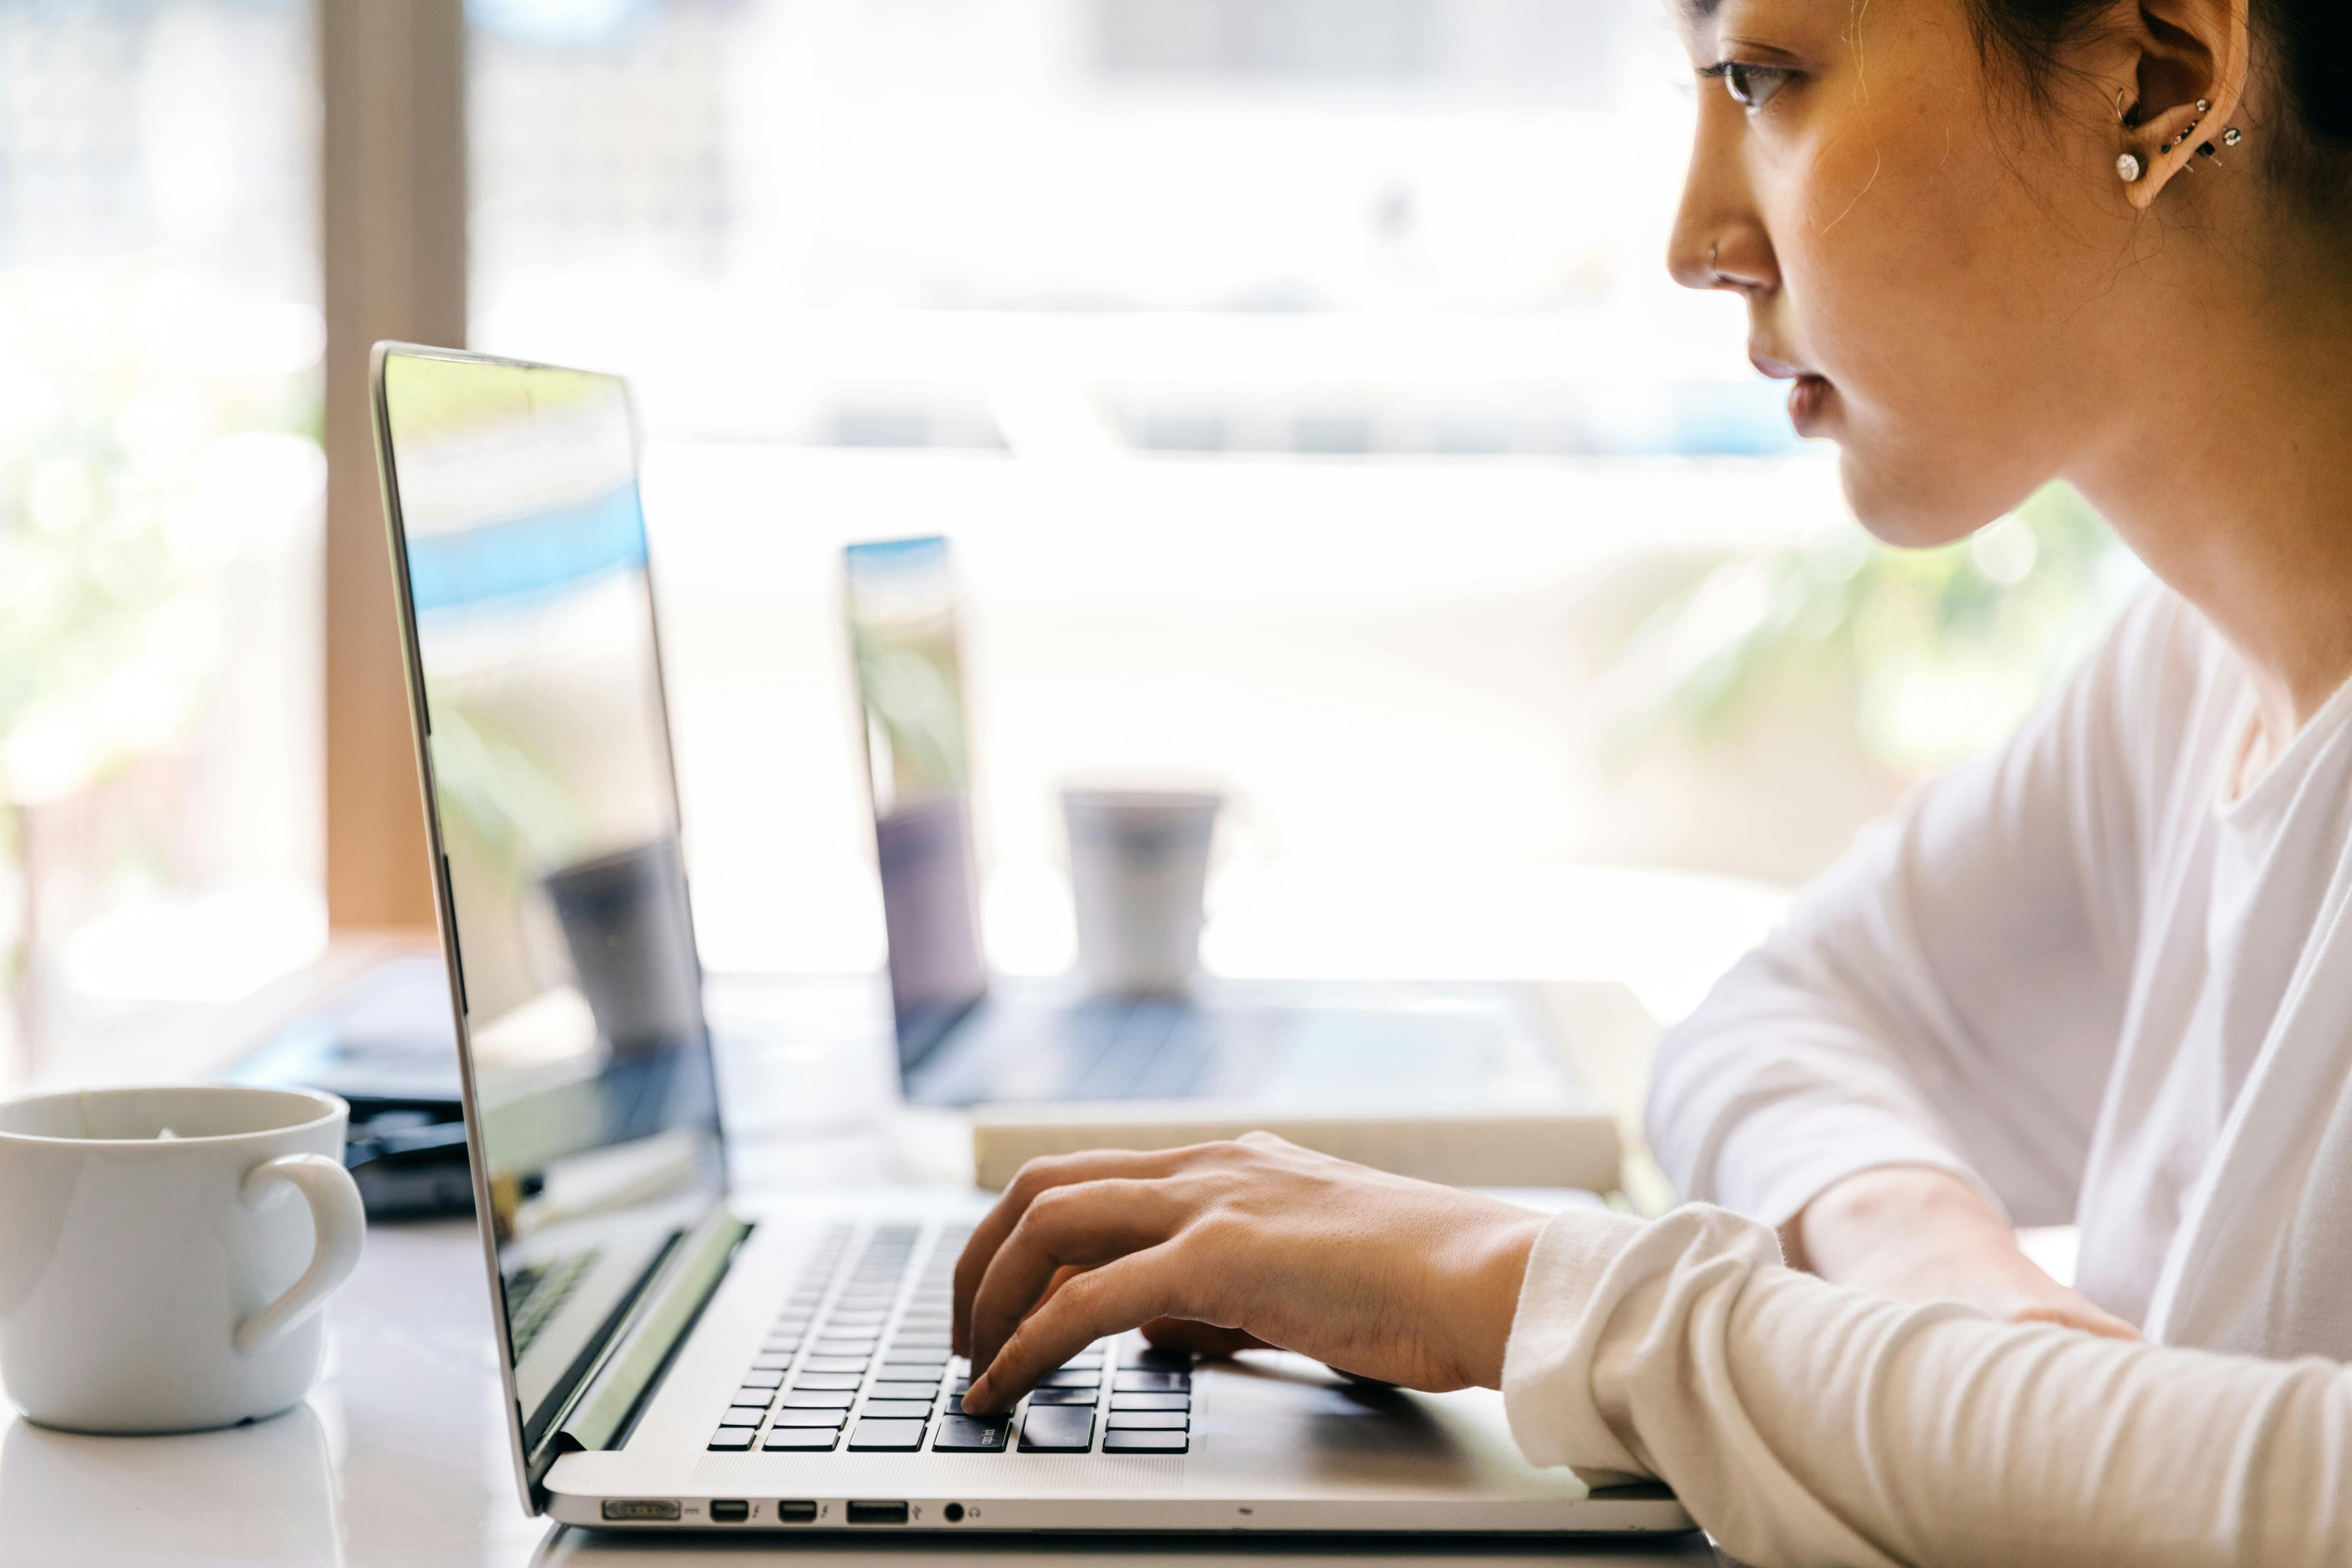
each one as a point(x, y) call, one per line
point(836, 1364)
point(1153, 1382)
point(1148, 1421)
point(771, 1361)
point(828, 1419)
point(866, 1348)
point(742, 1418)
point(972, 1435)
point(911, 1339)
point(820, 1439)
point(1071, 1377)
point(757, 1398)
point(933, 1359)
point(898, 1409)
point(774, 1346)
point(1057, 1431)
point(763, 1379)
point(1151, 1402)
point(885, 1437)
point(848, 1380)
point(1151, 1358)
point(843, 1317)
point(819, 1399)
point(1063, 1396)
point(1130, 1441)
point(926, 1392)
point(733, 1439)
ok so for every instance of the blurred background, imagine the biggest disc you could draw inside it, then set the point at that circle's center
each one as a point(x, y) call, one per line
point(1296, 381)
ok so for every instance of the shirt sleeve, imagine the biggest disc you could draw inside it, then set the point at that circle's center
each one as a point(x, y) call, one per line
point(1801, 1423)
point(1951, 993)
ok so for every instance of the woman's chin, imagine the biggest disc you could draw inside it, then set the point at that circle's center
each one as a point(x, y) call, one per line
point(1911, 510)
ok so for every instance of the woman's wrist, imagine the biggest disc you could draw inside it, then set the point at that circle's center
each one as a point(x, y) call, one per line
point(1475, 1297)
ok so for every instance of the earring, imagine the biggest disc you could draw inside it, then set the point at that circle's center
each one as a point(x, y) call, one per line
point(2128, 167)
point(2232, 136)
point(2120, 105)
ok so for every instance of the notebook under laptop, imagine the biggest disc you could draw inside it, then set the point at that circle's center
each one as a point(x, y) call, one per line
point(672, 1357)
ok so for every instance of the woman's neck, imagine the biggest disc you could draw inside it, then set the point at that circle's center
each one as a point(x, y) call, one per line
point(2229, 474)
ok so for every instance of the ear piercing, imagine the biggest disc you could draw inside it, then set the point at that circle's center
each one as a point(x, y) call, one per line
point(2129, 165)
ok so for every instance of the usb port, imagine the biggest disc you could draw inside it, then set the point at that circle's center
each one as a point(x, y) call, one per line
point(729, 1510)
point(640, 1509)
point(878, 1513)
point(791, 1512)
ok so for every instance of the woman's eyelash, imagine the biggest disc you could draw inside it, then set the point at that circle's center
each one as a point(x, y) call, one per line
point(1751, 86)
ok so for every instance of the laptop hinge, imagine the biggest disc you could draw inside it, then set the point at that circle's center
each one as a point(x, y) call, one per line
point(607, 1407)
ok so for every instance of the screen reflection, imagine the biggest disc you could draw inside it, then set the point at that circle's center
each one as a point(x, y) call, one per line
point(900, 598)
point(524, 551)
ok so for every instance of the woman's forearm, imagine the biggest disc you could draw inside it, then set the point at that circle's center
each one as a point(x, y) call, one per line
point(1803, 1423)
point(1923, 1234)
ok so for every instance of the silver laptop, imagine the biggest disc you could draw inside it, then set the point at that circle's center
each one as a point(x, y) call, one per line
point(968, 1038)
point(674, 1358)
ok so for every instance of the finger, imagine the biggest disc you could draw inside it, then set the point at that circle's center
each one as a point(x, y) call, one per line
point(1200, 1338)
point(1120, 1295)
point(1040, 1175)
point(1085, 1225)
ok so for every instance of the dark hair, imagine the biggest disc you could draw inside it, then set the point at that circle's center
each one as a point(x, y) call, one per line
point(2309, 43)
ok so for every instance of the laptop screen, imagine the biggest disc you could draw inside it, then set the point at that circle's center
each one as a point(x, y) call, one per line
point(899, 597)
point(518, 531)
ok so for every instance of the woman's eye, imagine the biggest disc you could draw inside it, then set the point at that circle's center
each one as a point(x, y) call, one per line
point(1751, 86)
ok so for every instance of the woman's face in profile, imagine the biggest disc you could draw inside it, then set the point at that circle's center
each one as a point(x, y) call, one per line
point(1934, 258)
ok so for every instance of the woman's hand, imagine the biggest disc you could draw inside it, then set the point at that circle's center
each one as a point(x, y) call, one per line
point(1373, 1274)
point(1925, 1234)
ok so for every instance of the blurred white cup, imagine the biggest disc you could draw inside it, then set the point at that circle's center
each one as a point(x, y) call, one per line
point(1139, 867)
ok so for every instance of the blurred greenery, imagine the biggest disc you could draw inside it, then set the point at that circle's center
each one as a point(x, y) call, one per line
point(103, 527)
point(1938, 653)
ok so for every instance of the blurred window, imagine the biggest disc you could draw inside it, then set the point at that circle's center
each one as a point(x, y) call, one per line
point(160, 485)
point(1300, 386)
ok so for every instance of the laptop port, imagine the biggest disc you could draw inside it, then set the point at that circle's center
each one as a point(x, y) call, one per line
point(955, 1513)
point(878, 1513)
point(790, 1512)
point(640, 1508)
point(729, 1510)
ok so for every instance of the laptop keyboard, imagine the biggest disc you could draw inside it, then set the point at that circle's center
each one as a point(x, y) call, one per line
point(861, 1365)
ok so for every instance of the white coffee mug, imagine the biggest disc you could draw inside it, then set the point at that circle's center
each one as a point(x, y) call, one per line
point(1138, 866)
point(156, 1274)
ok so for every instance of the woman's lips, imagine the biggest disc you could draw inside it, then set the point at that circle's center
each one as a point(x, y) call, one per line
point(1809, 400)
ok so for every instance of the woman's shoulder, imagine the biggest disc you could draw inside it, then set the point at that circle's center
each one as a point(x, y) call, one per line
point(2158, 671)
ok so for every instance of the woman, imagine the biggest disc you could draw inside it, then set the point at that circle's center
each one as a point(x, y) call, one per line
point(2107, 971)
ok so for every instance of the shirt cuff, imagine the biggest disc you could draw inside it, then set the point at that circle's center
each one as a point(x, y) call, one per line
point(1582, 1268)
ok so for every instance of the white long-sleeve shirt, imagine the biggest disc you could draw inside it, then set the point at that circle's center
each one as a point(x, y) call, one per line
point(2086, 974)
point(1803, 1424)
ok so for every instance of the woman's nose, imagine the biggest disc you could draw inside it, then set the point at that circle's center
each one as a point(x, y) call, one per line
point(1718, 241)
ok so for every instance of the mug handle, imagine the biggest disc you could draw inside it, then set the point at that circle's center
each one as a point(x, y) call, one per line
point(338, 1223)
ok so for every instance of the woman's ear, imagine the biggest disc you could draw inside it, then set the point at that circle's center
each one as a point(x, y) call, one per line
point(2188, 81)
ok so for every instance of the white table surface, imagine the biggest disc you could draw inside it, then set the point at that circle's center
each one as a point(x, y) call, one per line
point(400, 1455)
